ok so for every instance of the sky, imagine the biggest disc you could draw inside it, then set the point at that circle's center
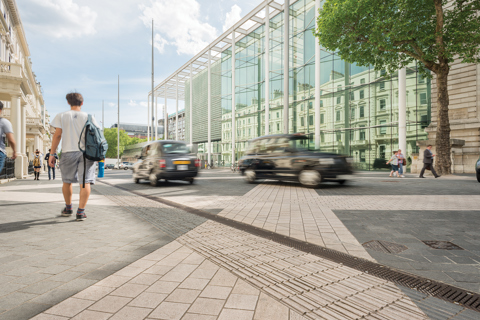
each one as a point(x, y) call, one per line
point(84, 45)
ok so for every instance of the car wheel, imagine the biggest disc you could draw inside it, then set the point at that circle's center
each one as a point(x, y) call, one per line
point(191, 181)
point(250, 176)
point(341, 181)
point(478, 176)
point(310, 178)
point(136, 180)
point(125, 168)
point(152, 178)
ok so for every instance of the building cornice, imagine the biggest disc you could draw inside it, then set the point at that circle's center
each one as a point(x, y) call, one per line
point(17, 23)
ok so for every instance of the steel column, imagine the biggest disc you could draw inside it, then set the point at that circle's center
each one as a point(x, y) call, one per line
point(286, 67)
point(209, 108)
point(267, 69)
point(191, 103)
point(176, 107)
point(317, 83)
point(402, 110)
point(233, 98)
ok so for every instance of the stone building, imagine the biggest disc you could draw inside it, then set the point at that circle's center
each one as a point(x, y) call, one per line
point(20, 91)
point(464, 114)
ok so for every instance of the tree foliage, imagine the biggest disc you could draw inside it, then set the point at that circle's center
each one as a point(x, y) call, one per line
point(390, 34)
point(111, 137)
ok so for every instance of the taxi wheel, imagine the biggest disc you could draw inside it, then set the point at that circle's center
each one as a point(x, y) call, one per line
point(310, 178)
point(152, 178)
point(250, 176)
point(191, 181)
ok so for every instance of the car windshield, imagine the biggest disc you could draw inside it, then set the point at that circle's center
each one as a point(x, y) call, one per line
point(172, 148)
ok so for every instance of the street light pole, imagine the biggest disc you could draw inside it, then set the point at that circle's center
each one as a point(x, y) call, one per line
point(118, 125)
point(153, 88)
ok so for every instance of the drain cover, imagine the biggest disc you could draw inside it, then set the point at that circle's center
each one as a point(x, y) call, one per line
point(445, 245)
point(384, 246)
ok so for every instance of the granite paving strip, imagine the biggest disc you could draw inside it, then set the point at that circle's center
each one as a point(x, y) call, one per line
point(217, 272)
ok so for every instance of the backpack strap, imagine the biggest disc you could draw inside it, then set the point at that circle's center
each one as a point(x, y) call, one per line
point(89, 120)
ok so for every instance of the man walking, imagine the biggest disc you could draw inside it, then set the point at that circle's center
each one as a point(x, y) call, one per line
point(69, 126)
point(7, 131)
point(428, 162)
point(52, 168)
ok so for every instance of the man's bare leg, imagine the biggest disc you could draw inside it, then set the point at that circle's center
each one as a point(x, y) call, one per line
point(84, 195)
point(67, 193)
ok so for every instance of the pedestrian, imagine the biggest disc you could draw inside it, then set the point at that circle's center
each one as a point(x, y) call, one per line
point(428, 162)
point(7, 131)
point(401, 162)
point(394, 163)
point(51, 168)
point(37, 164)
point(69, 126)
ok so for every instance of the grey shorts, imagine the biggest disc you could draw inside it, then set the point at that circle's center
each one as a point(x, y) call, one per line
point(71, 166)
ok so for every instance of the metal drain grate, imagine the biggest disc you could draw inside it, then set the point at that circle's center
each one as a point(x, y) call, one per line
point(433, 288)
point(444, 245)
point(384, 246)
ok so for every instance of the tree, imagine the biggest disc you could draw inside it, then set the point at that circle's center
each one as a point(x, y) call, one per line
point(111, 137)
point(390, 34)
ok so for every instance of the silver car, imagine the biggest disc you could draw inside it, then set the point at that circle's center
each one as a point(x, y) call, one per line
point(168, 160)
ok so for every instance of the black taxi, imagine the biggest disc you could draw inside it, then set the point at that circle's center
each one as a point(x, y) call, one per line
point(288, 157)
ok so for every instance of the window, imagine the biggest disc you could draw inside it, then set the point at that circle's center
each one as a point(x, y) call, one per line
point(278, 126)
point(338, 116)
point(339, 100)
point(352, 135)
point(421, 78)
point(339, 87)
point(382, 73)
point(383, 104)
point(362, 134)
point(310, 120)
point(423, 98)
point(362, 81)
point(352, 96)
point(321, 103)
point(322, 137)
point(310, 105)
point(248, 120)
point(278, 115)
point(382, 151)
point(301, 107)
point(382, 85)
point(339, 136)
point(362, 155)
point(383, 129)
point(362, 112)
point(322, 118)
point(302, 121)
point(362, 94)
point(352, 113)
point(424, 121)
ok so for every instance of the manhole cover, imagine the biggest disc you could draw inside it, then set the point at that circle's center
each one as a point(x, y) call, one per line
point(384, 246)
point(445, 245)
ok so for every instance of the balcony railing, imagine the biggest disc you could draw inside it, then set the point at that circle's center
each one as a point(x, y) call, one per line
point(10, 69)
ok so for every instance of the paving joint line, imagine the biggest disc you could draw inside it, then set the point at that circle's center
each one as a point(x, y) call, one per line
point(427, 286)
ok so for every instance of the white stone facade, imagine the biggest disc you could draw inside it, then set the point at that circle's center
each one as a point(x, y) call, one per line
point(20, 91)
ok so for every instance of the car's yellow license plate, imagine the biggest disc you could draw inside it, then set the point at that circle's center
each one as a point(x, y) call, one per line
point(181, 162)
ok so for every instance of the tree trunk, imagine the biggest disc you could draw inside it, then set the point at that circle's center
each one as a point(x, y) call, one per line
point(443, 160)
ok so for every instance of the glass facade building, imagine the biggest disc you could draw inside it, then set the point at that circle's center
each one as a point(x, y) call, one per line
point(351, 110)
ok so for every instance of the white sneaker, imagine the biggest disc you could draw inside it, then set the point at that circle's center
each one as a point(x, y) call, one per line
point(402, 176)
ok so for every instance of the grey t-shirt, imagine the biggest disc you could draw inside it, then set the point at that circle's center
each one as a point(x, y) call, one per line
point(5, 127)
